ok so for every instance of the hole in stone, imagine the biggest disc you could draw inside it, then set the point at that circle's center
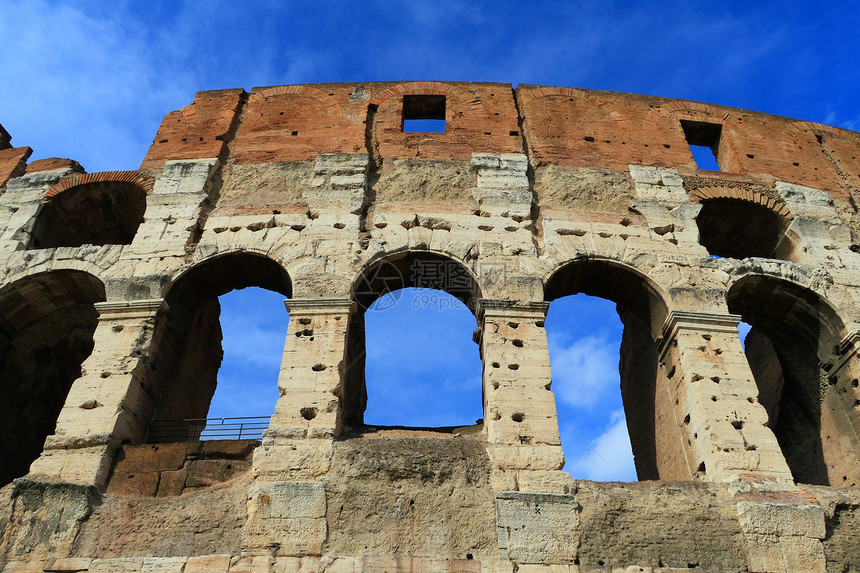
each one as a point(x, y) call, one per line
point(518, 417)
point(517, 342)
point(737, 424)
point(309, 413)
point(514, 366)
point(318, 367)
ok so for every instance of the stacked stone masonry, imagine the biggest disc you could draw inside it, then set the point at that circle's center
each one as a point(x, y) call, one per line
point(748, 458)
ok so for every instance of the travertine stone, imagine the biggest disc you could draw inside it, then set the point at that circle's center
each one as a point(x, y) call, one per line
point(711, 389)
point(530, 194)
point(503, 188)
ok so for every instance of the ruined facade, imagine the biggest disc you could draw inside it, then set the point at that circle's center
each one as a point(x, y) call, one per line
point(748, 459)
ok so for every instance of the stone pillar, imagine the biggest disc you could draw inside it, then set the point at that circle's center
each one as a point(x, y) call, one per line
point(287, 504)
point(840, 415)
point(520, 417)
point(107, 405)
point(710, 396)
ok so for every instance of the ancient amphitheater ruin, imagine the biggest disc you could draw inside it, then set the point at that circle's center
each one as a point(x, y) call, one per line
point(748, 459)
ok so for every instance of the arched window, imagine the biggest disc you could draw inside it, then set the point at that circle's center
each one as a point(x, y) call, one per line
point(805, 383)
point(641, 309)
point(253, 327)
point(412, 361)
point(739, 228)
point(584, 335)
point(188, 346)
point(47, 323)
point(95, 211)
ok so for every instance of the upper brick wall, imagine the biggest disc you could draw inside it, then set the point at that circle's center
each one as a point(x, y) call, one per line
point(563, 126)
point(13, 163)
point(295, 123)
point(195, 131)
point(584, 128)
point(479, 118)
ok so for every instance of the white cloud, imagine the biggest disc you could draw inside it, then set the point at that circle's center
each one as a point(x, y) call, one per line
point(81, 84)
point(611, 458)
point(583, 370)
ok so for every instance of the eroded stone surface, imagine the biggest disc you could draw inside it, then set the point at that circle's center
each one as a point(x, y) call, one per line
point(316, 192)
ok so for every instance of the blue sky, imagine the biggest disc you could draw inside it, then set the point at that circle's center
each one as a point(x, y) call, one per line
point(92, 80)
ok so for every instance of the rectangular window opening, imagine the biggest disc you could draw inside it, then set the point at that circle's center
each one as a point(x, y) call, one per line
point(704, 141)
point(423, 114)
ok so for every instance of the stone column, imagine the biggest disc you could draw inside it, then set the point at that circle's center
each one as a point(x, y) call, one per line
point(520, 417)
point(710, 396)
point(840, 413)
point(287, 504)
point(107, 405)
point(707, 391)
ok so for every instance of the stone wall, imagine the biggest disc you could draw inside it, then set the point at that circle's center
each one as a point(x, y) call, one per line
point(108, 308)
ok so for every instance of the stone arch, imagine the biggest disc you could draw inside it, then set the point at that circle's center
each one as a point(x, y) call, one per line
point(695, 109)
point(187, 340)
point(613, 280)
point(804, 368)
point(643, 308)
point(47, 321)
point(412, 88)
point(383, 277)
point(40, 266)
point(92, 208)
point(306, 91)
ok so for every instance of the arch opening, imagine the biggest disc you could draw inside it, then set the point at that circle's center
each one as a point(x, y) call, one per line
point(793, 350)
point(411, 336)
point(642, 311)
point(584, 336)
point(97, 213)
point(186, 365)
point(736, 228)
point(47, 323)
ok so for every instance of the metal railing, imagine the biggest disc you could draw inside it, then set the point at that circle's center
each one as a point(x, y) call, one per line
point(194, 429)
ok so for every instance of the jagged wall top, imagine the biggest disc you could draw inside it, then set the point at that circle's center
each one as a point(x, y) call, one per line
point(564, 126)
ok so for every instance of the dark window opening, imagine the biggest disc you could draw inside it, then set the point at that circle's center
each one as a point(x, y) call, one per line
point(738, 229)
point(704, 141)
point(100, 213)
point(423, 114)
